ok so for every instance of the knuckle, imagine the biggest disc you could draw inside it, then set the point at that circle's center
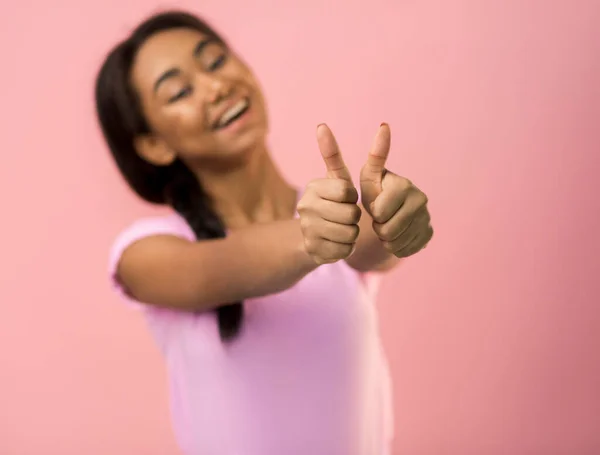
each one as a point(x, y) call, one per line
point(313, 184)
point(337, 251)
point(420, 199)
point(345, 191)
point(351, 195)
point(377, 229)
point(355, 214)
point(328, 252)
point(405, 183)
point(377, 214)
point(306, 203)
point(386, 232)
point(389, 246)
point(375, 209)
point(306, 223)
point(426, 217)
point(345, 250)
point(341, 194)
point(315, 188)
point(309, 244)
point(310, 188)
point(351, 233)
point(429, 233)
point(301, 206)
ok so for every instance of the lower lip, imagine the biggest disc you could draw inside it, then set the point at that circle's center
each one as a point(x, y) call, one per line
point(238, 123)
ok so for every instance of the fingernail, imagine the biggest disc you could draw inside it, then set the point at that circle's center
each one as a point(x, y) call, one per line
point(383, 124)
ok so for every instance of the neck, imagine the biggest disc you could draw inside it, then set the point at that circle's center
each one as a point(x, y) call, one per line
point(249, 193)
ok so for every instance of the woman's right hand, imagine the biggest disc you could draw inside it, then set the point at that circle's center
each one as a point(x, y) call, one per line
point(329, 211)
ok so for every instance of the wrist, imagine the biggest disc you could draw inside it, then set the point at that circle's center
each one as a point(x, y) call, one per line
point(301, 256)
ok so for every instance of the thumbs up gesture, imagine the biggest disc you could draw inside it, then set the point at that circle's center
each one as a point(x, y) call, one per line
point(330, 214)
point(328, 209)
point(397, 207)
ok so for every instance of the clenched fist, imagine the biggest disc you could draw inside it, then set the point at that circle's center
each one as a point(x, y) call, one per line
point(328, 210)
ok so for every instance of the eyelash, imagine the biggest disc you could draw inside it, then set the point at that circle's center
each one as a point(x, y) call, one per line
point(180, 94)
point(218, 63)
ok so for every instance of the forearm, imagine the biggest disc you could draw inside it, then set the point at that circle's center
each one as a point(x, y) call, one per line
point(264, 258)
point(370, 255)
point(250, 262)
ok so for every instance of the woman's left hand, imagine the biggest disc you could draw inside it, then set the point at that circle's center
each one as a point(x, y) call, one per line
point(398, 208)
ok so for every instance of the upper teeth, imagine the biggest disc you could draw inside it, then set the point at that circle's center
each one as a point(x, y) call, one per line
point(233, 111)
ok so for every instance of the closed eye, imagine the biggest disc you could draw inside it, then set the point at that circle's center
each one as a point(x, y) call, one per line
point(181, 94)
point(218, 63)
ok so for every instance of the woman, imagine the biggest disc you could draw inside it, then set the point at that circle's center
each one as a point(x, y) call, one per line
point(259, 299)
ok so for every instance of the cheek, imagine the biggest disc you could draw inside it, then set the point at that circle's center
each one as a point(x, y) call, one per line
point(242, 74)
point(184, 129)
point(183, 121)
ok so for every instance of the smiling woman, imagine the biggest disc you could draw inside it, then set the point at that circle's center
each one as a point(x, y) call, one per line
point(270, 331)
point(144, 127)
point(172, 92)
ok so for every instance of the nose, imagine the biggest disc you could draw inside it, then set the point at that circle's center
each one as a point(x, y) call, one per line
point(217, 89)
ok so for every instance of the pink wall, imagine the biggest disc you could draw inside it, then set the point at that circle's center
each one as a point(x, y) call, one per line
point(493, 332)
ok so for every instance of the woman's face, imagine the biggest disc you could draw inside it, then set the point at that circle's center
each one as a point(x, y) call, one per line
point(200, 100)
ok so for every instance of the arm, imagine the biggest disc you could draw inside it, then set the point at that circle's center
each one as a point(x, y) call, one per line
point(370, 255)
point(168, 271)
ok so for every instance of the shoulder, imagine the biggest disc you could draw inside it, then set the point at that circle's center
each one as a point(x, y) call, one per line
point(171, 224)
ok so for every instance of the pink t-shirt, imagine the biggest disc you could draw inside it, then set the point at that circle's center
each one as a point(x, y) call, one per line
point(306, 376)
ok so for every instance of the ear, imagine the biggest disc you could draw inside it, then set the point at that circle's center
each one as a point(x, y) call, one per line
point(154, 150)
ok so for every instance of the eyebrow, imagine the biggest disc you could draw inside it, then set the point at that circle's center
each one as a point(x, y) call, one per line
point(173, 72)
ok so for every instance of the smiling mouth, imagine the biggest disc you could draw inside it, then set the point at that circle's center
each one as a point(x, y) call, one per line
point(233, 113)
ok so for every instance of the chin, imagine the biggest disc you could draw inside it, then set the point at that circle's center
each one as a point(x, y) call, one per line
point(237, 155)
point(251, 141)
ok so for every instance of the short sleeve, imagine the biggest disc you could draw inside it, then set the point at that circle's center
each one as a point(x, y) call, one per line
point(168, 225)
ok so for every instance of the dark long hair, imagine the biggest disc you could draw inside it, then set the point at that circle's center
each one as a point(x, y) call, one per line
point(121, 120)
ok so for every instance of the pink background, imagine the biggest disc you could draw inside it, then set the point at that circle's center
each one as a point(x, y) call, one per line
point(493, 332)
